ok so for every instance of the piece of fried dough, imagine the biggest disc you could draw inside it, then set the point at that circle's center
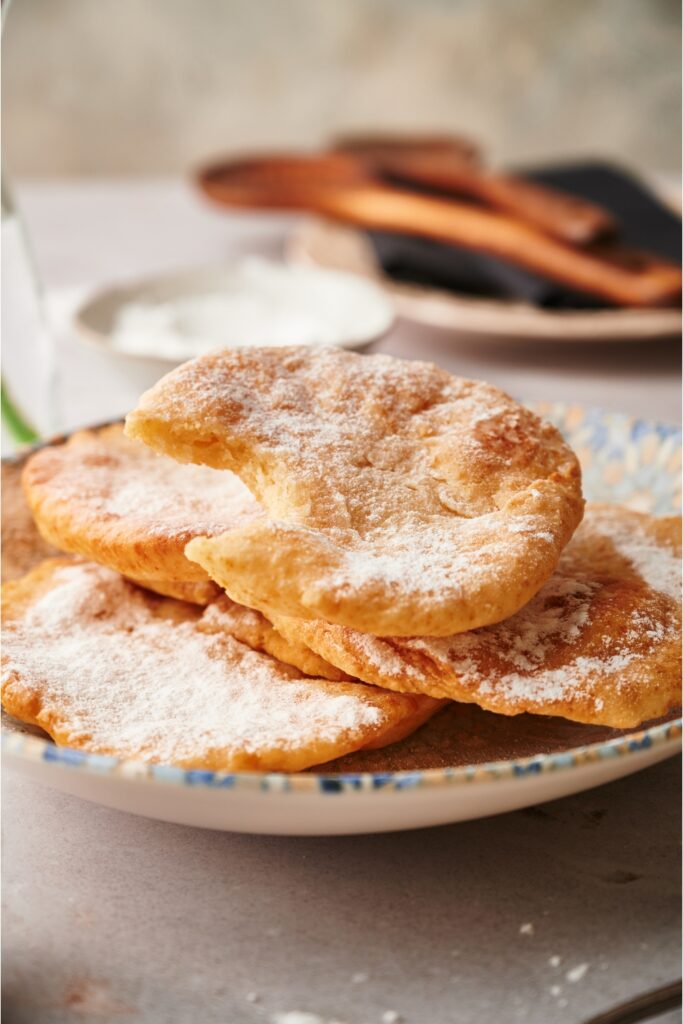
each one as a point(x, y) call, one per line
point(599, 643)
point(23, 548)
point(104, 666)
point(253, 629)
point(22, 545)
point(402, 499)
point(115, 501)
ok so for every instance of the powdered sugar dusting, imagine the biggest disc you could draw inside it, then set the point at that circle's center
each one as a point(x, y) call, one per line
point(577, 973)
point(381, 655)
point(130, 680)
point(540, 657)
point(657, 565)
point(438, 564)
point(105, 474)
point(409, 476)
point(531, 525)
point(592, 635)
point(173, 494)
point(522, 647)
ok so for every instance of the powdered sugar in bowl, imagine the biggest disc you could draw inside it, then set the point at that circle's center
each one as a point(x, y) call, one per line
point(178, 316)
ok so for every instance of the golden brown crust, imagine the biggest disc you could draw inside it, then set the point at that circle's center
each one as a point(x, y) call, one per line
point(105, 497)
point(22, 545)
point(23, 548)
point(196, 593)
point(18, 595)
point(402, 499)
point(253, 629)
point(599, 644)
point(106, 667)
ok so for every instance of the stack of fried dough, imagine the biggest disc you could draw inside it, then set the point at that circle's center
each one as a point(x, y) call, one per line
point(292, 554)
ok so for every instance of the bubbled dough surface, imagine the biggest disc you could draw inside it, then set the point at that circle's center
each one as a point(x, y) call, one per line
point(599, 644)
point(117, 502)
point(252, 628)
point(104, 666)
point(401, 500)
point(23, 548)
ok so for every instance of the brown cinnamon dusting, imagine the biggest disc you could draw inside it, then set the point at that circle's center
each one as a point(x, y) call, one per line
point(464, 734)
point(22, 545)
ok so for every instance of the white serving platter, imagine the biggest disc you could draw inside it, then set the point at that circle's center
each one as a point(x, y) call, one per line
point(496, 764)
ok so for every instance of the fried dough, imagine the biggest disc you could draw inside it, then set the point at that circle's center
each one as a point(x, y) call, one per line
point(600, 643)
point(402, 500)
point(104, 666)
point(254, 630)
point(22, 545)
point(113, 500)
point(57, 473)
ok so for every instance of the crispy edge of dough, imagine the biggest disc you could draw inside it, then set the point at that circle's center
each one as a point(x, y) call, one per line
point(109, 546)
point(252, 628)
point(25, 703)
point(237, 558)
point(344, 647)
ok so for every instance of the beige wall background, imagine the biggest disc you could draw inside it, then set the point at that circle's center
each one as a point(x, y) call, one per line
point(111, 87)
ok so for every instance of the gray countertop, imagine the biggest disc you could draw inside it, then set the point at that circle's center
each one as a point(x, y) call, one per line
point(109, 917)
point(115, 918)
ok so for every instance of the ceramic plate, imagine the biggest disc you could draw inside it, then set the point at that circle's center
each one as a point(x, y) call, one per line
point(324, 244)
point(190, 312)
point(465, 763)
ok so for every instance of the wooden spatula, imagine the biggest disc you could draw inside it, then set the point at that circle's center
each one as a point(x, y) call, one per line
point(455, 168)
point(342, 187)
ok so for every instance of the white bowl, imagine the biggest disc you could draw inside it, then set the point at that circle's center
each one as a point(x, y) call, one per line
point(177, 316)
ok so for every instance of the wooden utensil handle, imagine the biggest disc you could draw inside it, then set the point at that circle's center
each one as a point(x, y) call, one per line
point(632, 279)
point(573, 220)
point(557, 213)
point(454, 165)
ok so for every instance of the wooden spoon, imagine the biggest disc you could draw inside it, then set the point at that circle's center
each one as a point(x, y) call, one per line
point(453, 168)
point(340, 186)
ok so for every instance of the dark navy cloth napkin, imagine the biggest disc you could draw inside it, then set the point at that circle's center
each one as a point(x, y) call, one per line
point(644, 223)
